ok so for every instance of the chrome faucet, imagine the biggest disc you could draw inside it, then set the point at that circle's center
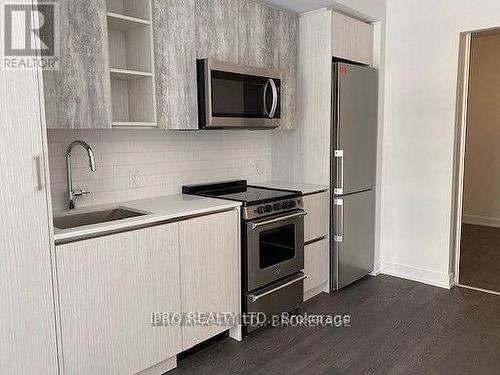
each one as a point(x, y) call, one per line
point(72, 194)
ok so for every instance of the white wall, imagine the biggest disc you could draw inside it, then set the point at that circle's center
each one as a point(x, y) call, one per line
point(164, 160)
point(482, 162)
point(421, 82)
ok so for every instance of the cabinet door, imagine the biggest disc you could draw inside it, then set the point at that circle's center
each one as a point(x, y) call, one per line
point(27, 328)
point(317, 218)
point(316, 264)
point(217, 29)
point(286, 42)
point(256, 39)
point(78, 95)
point(175, 63)
point(352, 39)
point(108, 289)
point(210, 271)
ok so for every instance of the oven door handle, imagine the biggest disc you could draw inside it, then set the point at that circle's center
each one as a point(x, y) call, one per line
point(278, 219)
point(259, 296)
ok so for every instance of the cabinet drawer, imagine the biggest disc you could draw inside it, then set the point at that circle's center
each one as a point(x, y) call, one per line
point(316, 264)
point(317, 218)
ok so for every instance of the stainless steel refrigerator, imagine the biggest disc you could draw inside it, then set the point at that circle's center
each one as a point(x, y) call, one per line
point(353, 174)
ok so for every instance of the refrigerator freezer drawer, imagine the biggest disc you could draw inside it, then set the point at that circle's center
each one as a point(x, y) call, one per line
point(353, 237)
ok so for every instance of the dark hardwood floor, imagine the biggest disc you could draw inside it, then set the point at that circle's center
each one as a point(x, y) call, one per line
point(480, 257)
point(398, 327)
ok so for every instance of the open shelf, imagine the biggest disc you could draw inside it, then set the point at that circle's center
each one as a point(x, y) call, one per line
point(130, 42)
point(133, 100)
point(131, 8)
point(126, 74)
point(120, 22)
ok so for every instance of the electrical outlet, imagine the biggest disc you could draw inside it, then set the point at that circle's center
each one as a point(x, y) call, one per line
point(134, 180)
point(259, 167)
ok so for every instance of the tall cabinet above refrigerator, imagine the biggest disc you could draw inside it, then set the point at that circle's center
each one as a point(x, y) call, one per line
point(353, 172)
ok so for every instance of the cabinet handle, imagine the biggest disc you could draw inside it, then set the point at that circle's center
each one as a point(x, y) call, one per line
point(339, 235)
point(36, 173)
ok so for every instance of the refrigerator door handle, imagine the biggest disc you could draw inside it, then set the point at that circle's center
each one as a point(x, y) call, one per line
point(339, 233)
point(339, 155)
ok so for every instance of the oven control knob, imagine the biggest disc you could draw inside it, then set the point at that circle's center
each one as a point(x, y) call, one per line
point(292, 204)
point(269, 208)
point(277, 206)
point(261, 210)
point(285, 205)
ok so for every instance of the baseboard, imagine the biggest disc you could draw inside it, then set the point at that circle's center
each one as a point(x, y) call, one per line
point(376, 269)
point(481, 220)
point(160, 368)
point(315, 291)
point(442, 280)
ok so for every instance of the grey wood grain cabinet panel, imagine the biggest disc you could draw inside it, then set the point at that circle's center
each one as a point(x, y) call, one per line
point(210, 278)
point(108, 289)
point(175, 63)
point(78, 95)
point(286, 58)
point(256, 37)
point(217, 29)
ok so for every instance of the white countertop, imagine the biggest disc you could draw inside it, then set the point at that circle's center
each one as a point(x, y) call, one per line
point(168, 207)
point(304, 188)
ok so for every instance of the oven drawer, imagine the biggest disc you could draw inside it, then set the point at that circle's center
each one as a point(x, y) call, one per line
point(283, 296)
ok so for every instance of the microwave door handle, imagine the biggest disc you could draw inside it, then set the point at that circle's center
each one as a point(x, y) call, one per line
point(275, 98)
point(266, 87)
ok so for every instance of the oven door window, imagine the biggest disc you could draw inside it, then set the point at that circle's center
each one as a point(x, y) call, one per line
point(240, 95)
point(276, 246)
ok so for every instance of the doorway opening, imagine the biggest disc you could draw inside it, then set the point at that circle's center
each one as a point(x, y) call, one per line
point(476, 236)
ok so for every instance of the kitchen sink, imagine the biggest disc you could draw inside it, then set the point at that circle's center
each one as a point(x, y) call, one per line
point(96, 217)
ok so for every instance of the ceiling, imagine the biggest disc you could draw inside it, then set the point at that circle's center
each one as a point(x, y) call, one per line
point(300, 6)
point(365, 10)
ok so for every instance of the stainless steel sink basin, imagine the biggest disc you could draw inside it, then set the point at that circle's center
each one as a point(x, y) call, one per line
point(96, 217)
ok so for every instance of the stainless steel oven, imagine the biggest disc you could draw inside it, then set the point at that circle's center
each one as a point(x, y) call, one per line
point(238, 96)
point(274, 248)
point(274, 257)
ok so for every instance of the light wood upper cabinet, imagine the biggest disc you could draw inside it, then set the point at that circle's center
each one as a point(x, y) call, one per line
point(256, 42)
point(78, 95)
point(352, 39)
point(108, 289)
point(217, 29)
point(210, 276)
point(175, 64)
point(286, 44)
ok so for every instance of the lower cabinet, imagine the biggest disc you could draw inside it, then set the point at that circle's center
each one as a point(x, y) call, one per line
point(210, 277)
point(110, 286)
point(108, 289)
point(316, 265)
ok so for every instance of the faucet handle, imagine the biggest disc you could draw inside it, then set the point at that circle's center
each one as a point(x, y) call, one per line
point(80, 193)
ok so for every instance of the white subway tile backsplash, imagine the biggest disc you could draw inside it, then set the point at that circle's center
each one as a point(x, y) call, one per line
point(162, 160)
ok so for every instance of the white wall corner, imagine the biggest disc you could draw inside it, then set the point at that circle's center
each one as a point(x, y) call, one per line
point(376, 269)
point(442, 280)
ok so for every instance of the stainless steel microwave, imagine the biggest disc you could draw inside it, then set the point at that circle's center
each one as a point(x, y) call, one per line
point(237, 96)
